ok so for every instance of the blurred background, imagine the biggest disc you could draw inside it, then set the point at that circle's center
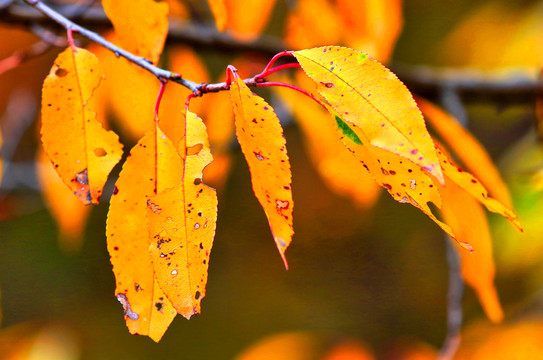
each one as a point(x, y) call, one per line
point(361, 280)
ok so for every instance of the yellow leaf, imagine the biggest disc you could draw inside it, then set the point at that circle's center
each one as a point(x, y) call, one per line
point(468, 220)
point(371, 25)
point(147, 170)
point(472, 186)
point(307, 27)
point(261, 139)
point(467, 148)
point(70, 214)
point(182, 221)
point(370, 97)
point(82, 152)
point(247, 19)
point(141, 25)
point(338, 168)
point(218, 8)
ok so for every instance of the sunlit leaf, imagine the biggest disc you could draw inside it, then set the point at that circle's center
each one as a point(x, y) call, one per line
point(468, 220)
point(70, 214)
point(82, 152)
point(247, 19)
point(372, 99)
point(141, 25)
point(182, 221)
point(261, 139)
point(150, 167)
point(467, 148)
point(338, 168)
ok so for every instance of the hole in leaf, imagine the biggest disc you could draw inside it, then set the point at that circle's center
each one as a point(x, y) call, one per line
point(100, 152)
point(61, 72)
point(194, 150)
point(197, 181)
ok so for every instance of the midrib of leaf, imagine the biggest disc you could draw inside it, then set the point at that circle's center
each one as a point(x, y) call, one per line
point(83, 105)
point(363, 97)
point(184, 159)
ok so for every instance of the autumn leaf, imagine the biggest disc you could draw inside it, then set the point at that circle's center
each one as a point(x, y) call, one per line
point(370, 97)
point(82, 152)
point(153, 165)
point(338, 168)
point(261, 139)
point(141, 25)
point(478, 266)
point(218, 8)
point(371, 25)
point(247, 19)
point(69, 213)
point(467, 148)
point(472, 186)
point(182, 221)
point(307, 27)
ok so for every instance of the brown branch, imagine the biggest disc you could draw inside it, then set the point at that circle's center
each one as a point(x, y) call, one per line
point(466, 85)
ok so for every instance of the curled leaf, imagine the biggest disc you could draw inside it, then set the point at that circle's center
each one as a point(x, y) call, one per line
point(82, 152)
point(261, 139)
point(370, 97)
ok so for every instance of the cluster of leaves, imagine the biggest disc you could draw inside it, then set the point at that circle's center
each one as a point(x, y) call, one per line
point(362, 126)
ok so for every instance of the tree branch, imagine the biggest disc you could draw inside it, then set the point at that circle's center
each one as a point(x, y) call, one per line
point(467, 85)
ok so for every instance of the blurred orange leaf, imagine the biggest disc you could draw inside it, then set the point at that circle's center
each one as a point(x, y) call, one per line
point(182, 222)
point(261, 139)
point(82, 152)
point(307, 27)
point(477, 266)
point(70, 214)
point(372, 25)
point(370, 97)
point(467, 148)
point(218, 8)
point(141, 25)
point(247, 19)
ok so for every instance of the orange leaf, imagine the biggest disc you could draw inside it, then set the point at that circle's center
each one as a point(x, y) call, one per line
point(247, 19)
point(261, 139)
point(338, 168)
point(370, 97)
point(70, 214)
point(307, 27)
point(182, 221)
point(150, 167)
point(467, 148)
point(142, 25)
point(472, 186)
point(218, 8)
point(82, 152)
point(372, 25)
point(468, 220)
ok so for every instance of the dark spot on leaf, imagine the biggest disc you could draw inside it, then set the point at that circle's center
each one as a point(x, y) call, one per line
point(100, 152)
point(474, 181)
point(197, 295)
point(159, 305)
point(414, 151)
point(201, 246)
point(137, 287)
point(392, 172)
point(116, 248)
point(61, 72)
point(197, 181)
point(115, 190)
point(387, 186)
